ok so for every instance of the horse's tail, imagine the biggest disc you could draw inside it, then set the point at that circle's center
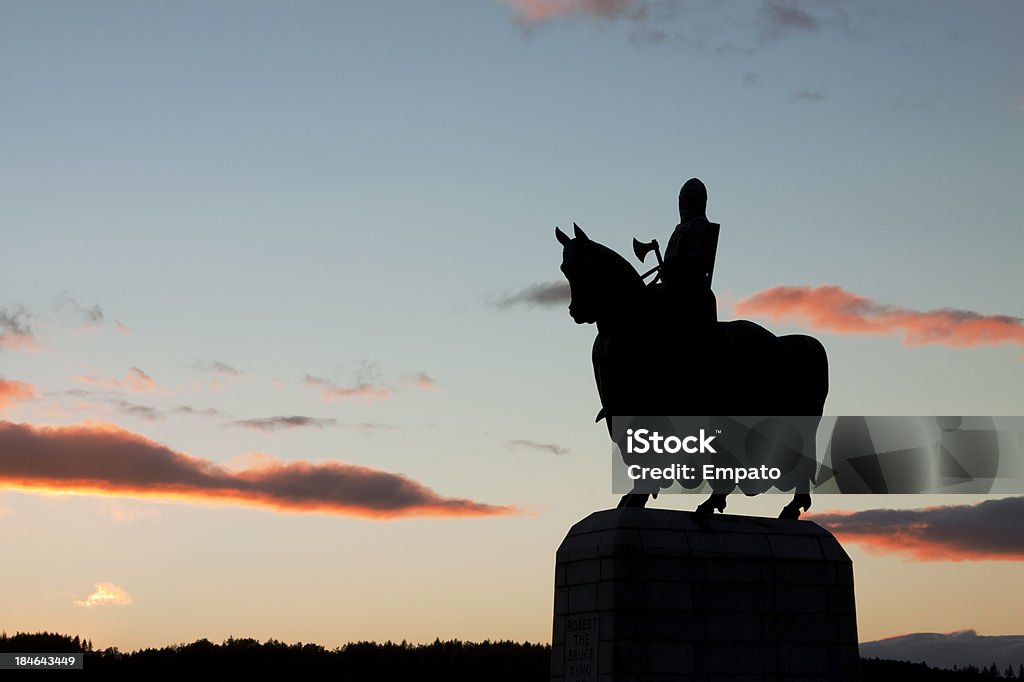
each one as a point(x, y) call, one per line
point(809, 364)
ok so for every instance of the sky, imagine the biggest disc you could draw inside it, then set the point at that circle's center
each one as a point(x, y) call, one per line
point(283, 341)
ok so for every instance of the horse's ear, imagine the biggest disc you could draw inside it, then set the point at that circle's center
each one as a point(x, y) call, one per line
point(580, 234)
point(562, 237)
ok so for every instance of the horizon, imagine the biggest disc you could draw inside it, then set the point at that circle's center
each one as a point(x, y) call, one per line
point(256, 247)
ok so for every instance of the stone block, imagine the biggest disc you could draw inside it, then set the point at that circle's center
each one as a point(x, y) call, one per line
point(579, 572)
point(620, 542)
point(670, 657)
point(732, 627)
point(616, 626)
point(729, 570)
point(717, 661)
point(803, 659)
point(800, 598)
point(681, 626)
point(795, 547)
point(621, 594)
point(582, 598)
point(729, 545)
point(664, 594)
point(804, 572)
point(665, 542)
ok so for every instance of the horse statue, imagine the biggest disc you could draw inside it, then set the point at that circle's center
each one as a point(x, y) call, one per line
point(648, 360)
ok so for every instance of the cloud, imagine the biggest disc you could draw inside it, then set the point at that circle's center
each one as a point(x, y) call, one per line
point(205, 412)
point(424, 381)
point(135, 410)
point(16, 329)
point(85, 317)
point(960, 649)
point(280, 423)
point(807, 96)
point(988, 531)
point(370, 427)
point(1019, 106)
point(647, 37)
point(361, 388)
point(135, 380)
point(106, 594)
point(92, 458)
point(89, 400)
point(11, 391)
point(539, 11)
point(690, 23)
point(779, 17)
point(544, 294)
point(221, 368)
point(126, 514)
point(534, 445)
point(831, 308)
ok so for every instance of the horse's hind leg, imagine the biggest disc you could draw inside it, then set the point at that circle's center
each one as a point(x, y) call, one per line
point(708, 506)
point(633, 500)
point(792, 510)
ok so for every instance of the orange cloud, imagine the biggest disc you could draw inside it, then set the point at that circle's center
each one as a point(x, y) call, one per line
point(11, 391)
point(135, 380)
point(832, 308)
point(360, 389)
point(101, 459)
point(128, 513)
point(106, 594)
point(988, 531)
point(537, 11)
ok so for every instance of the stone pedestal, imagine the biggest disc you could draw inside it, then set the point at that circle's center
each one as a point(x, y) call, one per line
point(654, 594)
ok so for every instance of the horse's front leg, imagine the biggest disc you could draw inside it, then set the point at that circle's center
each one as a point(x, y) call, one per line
point(792, 510)
point(708, 506)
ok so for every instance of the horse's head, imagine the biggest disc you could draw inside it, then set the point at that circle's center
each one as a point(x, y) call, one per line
point(601, 282)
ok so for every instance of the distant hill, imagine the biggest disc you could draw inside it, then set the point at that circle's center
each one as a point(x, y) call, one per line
point(951, 649)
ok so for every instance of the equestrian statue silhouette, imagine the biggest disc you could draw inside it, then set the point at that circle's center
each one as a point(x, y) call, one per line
point(661, 351)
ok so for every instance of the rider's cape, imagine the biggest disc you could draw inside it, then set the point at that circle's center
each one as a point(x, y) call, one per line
point(690, 255)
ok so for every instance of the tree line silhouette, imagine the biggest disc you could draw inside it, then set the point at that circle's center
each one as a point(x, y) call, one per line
point(501, 661)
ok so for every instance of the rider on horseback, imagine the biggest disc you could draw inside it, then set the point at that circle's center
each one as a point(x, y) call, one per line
point(690, 258)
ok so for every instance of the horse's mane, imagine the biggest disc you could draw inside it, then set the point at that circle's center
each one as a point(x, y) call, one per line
point(613, 266)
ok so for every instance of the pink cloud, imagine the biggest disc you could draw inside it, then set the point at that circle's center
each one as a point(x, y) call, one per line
point(360, 389)
point(11, 391)
point(832, 308)
point(538, 11)
point(987, 531)
point(106, 459)
point(135, 380)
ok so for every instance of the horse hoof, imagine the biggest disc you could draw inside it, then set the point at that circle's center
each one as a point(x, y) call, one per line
point(788, 512)
point(714, 503)
point(632, 500)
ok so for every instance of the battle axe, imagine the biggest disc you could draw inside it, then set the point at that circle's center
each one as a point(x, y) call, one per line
point(641, 249)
